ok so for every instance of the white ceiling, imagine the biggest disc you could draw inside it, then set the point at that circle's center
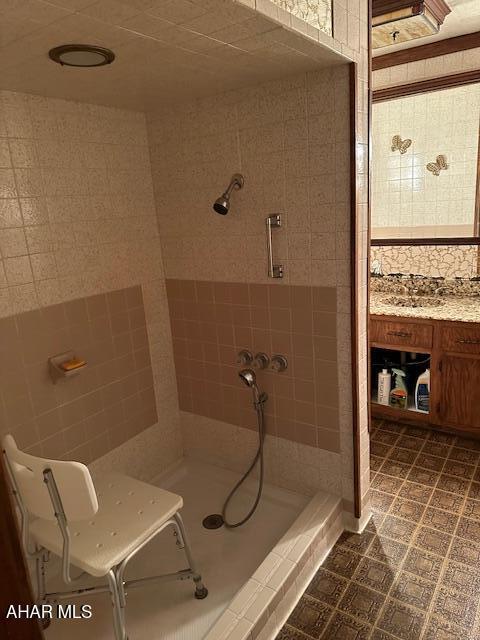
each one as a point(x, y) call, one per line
point(464, 18)
point(166, 50)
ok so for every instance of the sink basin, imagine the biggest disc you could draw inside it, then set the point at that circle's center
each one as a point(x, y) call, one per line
point(413, 301)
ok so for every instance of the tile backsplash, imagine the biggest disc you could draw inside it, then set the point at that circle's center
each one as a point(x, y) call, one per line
point(441, 261)
point(108, 402)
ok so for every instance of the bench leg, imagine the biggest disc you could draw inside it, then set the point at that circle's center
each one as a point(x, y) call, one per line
point(118, 610)
point(200, 590)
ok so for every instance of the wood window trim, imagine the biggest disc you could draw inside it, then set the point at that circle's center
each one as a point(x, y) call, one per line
point(427, 51)
point(424, 86)
point(424, 242)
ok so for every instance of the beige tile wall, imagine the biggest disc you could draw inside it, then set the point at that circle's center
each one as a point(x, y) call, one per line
point(404, 193)
point(291, 140)
point(77, 218)
point(105, 404)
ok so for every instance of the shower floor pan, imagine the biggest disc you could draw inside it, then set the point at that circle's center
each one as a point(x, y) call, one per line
point(254, 574)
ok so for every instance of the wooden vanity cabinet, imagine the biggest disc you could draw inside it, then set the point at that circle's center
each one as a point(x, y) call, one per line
point(454, 348)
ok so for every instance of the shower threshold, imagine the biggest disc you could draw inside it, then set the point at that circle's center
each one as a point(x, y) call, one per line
point(253, 573)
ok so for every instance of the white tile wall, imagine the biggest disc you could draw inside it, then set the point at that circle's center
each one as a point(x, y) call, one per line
point(405, 194)
point(77, 217)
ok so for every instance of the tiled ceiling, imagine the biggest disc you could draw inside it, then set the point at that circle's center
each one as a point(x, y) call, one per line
point(166, 50)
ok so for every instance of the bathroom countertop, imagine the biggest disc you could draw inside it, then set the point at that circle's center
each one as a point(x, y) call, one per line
point(456, 309)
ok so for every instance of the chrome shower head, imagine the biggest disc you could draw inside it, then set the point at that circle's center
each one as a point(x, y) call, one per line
point(248, 377)
point(222, 204)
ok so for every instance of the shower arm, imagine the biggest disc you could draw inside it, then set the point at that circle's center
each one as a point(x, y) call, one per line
point(235, 183)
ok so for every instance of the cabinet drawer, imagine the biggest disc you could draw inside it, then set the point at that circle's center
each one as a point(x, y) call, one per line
point(406, 334)
point(460, 339)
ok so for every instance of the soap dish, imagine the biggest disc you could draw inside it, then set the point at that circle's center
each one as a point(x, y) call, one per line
point(56, 366)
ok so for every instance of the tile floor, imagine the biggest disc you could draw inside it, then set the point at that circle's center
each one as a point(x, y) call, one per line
point(414, 574)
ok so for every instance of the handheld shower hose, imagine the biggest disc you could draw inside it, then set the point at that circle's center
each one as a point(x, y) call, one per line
point(259, 399)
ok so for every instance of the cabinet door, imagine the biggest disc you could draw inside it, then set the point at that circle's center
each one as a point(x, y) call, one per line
point(459, 392)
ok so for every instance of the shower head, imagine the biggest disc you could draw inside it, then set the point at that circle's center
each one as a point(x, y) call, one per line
point(248, 377)
point(222, 204)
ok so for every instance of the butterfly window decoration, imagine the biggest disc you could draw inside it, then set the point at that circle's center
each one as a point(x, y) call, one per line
point(439, 165)
point(400, 145)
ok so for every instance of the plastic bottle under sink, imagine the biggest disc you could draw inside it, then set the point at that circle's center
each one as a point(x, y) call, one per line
point(422, 392)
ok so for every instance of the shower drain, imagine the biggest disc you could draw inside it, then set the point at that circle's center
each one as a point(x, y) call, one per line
point(213, 521)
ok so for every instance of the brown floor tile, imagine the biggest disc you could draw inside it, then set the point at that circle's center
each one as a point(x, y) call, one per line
point(327, 587)
point(385, 437)
point(423, 476)
point(472, 509)
point(414, 574)
point(429, 462)
point(424, 564)
point(374, 574)
point(468, 443)
point(442, 438)
point(387, 484)
point(438, 629)
point(397, 529)
point(469, 529)
point(432, 540)
point(342, 561)
point(417, 492)
point(394, 468)
point(387, 551)
point(390, 425)
point(378, 634)
point(452, 484)
point(407, 442)
point(464, 455)
point(459, 469)
point(465, 551)
point(413, 590)
point(441, 520)
point(407, 509)
point(474, 491)
point(355, 541)
point(416, 432)
point(375, 463)
point(436, 449)
point(375, 521)
point(401, 621)
point(402, 455)
point(379, 449)
point(343, 627)
point(310, 616)
point(361, 602)
point(380, 501)
point(451, 605)
point(462, 578)
point(447, 501)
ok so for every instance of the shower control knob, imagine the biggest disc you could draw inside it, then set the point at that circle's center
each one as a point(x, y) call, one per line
point(244, 357)
point(261, 361)
point(278, 364)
